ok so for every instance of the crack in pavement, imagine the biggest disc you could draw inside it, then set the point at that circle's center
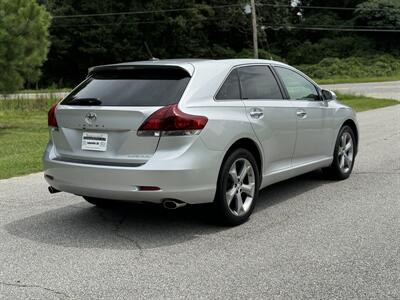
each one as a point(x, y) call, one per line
point(117, 233)
point(117, 228)
point(22, 285)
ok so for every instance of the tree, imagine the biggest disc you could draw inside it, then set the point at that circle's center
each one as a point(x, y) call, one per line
point(383, 14)
point(172, 29)
point(379, 13)
point(24, 42)
point(79, 43)
point(85, 33)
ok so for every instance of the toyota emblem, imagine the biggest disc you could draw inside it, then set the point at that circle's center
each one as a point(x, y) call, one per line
point(90, 118)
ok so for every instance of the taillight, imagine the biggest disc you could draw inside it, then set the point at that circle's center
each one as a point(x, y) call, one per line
point(51, 116)
point(169, 120)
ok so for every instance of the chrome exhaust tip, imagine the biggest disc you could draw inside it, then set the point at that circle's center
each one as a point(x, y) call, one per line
point(53, 190)
point(173, 204)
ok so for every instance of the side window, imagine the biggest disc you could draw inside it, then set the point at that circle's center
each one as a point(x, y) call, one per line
point(258, 82)
point(230, 89)
point(297, 86)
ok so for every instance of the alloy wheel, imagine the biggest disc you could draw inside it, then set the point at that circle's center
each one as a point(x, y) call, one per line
point(240, 187)
point(345, 152)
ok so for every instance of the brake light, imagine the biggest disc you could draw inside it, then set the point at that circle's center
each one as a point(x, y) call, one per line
point(169, 120)
point(51, 116)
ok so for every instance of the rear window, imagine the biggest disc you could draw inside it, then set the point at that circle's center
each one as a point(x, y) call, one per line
point(131, 87)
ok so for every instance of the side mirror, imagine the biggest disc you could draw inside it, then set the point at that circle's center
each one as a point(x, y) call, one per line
point(328, 95)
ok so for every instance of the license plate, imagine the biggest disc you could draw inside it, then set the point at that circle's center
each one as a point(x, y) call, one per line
point(94, 141)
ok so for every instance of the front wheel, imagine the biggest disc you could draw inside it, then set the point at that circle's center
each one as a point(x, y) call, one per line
point(237, 187)
point(344, 155)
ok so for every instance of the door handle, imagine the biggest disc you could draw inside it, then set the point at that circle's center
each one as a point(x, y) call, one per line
point(301, 113)
point(256, 113)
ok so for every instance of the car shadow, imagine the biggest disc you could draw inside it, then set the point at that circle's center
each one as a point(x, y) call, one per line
point(288, 189)
point(141, 226)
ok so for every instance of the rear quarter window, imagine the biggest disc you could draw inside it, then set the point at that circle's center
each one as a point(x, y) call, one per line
point(131, 87)
point(230, 89)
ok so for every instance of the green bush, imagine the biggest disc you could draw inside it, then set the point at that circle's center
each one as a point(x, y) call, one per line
point(262, 54)
point(354, 67)
point(341, 47)
point(217, 51)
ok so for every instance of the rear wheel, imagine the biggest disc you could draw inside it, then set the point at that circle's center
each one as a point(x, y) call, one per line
point(344, 155)
point(237, 188)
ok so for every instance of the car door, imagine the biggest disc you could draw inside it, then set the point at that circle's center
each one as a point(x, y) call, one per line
point(271, 115)
point(314, 117)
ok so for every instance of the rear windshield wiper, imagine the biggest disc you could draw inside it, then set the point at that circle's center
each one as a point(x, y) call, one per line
point(84, 101)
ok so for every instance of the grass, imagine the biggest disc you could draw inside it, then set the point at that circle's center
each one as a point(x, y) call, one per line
point(361, 103)
point(26, 105)
point(336, 80)
point(24, 134)
point(48, 90)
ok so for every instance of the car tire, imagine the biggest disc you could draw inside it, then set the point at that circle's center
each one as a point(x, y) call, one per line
point(237, 188)
point(343, 156)
point(103, 203)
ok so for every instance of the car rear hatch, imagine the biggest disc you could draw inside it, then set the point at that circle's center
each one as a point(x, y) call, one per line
point(98, 121)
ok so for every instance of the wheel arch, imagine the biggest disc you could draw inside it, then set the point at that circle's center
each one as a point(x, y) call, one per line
point(353, 126)
point(252, 147)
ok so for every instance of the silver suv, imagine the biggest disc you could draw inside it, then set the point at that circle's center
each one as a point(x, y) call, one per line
point(182, 132)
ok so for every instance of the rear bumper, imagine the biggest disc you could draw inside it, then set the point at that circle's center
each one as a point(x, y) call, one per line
point(189, 176)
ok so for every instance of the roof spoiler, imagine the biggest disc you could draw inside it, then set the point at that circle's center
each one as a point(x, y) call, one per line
point(96, 69)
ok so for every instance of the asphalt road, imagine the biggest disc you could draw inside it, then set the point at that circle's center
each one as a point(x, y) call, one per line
point(386, 90)
point(308, 238)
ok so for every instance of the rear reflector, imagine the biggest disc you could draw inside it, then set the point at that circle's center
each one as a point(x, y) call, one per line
point(148, 188)
point(169, 120)
point(51, 116)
